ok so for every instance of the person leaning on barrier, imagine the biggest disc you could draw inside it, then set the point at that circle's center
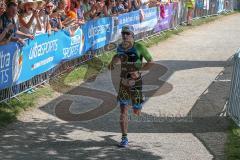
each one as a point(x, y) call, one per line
point(8, 28)
point(61, 12)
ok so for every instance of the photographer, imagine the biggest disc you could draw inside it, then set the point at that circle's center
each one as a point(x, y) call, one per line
point(29, 18)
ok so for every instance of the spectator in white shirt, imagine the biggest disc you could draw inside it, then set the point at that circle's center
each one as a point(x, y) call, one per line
point(29, 18)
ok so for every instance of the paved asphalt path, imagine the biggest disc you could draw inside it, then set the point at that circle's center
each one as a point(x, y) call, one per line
point(184, 121)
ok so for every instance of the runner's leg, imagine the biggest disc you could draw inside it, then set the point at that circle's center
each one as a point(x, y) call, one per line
point(124, 120)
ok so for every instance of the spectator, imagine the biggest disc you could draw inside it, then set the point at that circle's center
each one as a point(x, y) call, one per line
point(87, 9)
point(40, 4)
point(144, 4)
point(125, 4)
point(93, 8)
point(108, 8)
point(199, 8)
point(97, 9)
point(134, 5)
point(61, 9)
point(53, 19)
point(119, 8)
point(29, 18)
point(16, 20)
point(45, 17)
point(71, 13)
point(2, 7)
point(190, 7)
point(80, 12)
point(8, 27)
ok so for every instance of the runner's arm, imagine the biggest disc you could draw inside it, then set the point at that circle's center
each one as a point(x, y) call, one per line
point(147, 65)
point(147, 56)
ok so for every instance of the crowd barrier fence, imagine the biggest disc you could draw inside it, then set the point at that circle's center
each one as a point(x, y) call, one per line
point(23, 68)
point(233, 105)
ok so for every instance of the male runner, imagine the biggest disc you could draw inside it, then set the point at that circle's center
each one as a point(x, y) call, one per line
point(130, 54)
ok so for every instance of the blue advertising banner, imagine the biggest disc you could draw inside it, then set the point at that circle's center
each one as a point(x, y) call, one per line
point(165, 16)
point(45, 52)
point(141, 20)
point(97, 33)
point(123, 19)
point(10, 63)
point(149, 20)
point(19, 64)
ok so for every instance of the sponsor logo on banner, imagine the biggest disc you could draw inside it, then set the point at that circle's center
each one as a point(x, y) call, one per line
point(76, 45)
point(9, 55)
point(17, 64)
point(5, 60)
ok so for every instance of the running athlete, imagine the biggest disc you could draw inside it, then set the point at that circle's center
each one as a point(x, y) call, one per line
point(130, 54)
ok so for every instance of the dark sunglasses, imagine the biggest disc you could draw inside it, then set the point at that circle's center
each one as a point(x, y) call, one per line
point(49, 6)
point(127, 33)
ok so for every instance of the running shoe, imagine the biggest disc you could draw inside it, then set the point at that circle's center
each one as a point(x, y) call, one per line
point(124, 142)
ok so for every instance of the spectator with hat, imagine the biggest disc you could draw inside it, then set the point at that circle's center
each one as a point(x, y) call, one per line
point(29, 17)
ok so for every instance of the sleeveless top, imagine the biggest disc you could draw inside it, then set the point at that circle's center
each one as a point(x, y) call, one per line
point(131, 60)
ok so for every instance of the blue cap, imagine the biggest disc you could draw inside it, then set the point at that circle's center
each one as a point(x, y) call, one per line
point(128, 28)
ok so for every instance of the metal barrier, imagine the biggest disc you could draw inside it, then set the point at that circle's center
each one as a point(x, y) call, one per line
point(178, 18)
point(233, 107)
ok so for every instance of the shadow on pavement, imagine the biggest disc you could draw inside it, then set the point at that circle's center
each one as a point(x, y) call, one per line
point(49, 139)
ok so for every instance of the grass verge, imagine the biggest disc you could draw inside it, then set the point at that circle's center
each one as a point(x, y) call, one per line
point(232, 147)
point(9, 113)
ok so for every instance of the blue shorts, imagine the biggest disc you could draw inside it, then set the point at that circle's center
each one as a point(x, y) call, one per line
point(125, 103)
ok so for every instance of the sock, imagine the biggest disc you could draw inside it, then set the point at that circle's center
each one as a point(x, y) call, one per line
point(124, 135)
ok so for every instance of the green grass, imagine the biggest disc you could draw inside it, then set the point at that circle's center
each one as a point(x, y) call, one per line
point(89, 69)
point(232, 147)
point(8, 113)
point(83, 72)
